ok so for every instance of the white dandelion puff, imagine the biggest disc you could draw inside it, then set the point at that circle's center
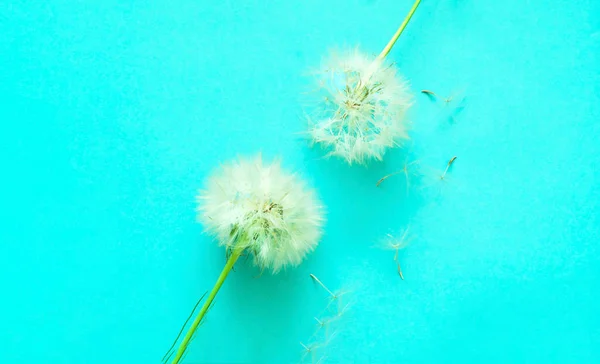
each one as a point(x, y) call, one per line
point(363, 108)
point(263, 209)
point(362, 104)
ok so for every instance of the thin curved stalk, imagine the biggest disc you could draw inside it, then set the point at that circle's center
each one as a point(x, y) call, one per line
point(186, 340)
point(169, 352)
point(392, 41)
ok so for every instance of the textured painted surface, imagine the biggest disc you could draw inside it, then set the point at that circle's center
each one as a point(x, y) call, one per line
point(112, 116)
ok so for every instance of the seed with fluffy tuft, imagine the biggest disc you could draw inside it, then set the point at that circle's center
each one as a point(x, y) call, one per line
point(261, 208)
point(362, 107)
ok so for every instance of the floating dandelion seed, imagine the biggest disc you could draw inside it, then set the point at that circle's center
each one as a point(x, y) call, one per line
point(257, 208)
point(309, 349)
point(325, 322)
point(446, 100)
point(441, 178)
point(452, 105)
point(432, 95)
point(312, 348)
point(363, 103)
point(447, 167)
point(338, 315)
point(395, 244)
point(333, 297)
point(407, 170)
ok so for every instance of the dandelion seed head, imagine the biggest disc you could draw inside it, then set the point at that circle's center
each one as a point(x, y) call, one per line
point(362, 107)
point(262, 208)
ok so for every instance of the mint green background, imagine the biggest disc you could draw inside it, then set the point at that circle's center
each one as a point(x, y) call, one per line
point(113, 114)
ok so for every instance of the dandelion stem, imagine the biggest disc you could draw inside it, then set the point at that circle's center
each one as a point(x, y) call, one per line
point(230, 262)
point(392, 41)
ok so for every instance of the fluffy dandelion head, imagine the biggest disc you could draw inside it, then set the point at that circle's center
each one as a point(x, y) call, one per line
point(362, 102)
point(263, 209)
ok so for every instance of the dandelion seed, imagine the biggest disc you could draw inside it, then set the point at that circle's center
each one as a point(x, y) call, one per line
point(321, 337)
point(452, 105)
point(395, 244)
point(448, 166)
point(322, 325)
point(404, 170)
point(441, 175)
point(433, 95)
point(306, 347)
point(333, 297)
point(309, 350)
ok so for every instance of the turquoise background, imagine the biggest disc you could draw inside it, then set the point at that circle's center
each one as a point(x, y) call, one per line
point(114, 113)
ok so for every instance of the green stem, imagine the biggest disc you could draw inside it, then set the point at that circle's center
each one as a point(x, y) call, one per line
point(230, 262)
point(392, 41)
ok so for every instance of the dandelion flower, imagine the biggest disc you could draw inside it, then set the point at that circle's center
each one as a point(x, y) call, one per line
point(362, 104)
point(364, 107)
point(264, 210)
point(261, 209)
